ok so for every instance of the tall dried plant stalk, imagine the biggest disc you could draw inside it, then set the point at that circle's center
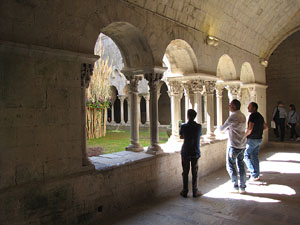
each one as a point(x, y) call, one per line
point(99, 90)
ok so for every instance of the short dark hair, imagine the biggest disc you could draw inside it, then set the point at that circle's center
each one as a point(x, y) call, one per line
point(191, 114)
point(254, 104)
point(236, 103)
point(293, 107)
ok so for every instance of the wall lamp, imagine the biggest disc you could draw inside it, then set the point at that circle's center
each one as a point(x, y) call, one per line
point(210, 40)
point(263, 62)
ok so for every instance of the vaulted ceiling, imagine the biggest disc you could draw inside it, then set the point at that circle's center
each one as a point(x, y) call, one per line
point(257, 26)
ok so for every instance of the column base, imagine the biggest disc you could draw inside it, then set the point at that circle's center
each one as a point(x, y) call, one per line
point(135, 148)
point(154, 150)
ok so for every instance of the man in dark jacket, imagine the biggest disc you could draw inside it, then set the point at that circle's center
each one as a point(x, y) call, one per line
point(190, 152)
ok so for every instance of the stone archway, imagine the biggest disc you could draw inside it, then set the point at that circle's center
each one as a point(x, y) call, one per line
point(180, 58)
point(247, 74)
point(226, 70)
point(247, 77)
point(164, 106)
point(132, 44)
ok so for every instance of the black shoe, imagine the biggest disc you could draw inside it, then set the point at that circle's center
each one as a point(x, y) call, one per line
point(183, 194)
point(197, 194)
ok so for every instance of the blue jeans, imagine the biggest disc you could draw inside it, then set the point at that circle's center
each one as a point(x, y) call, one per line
point(236, 156)
point(251, 156)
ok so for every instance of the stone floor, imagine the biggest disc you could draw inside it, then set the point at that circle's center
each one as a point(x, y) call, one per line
point(273, 200)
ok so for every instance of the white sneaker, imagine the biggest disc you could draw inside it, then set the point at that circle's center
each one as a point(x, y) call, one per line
point(298, 139)
point(242, 191)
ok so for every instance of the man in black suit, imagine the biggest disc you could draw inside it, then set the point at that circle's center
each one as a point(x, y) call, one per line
point(190, 152)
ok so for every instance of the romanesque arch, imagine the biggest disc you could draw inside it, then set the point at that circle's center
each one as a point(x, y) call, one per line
point(132, 44)
point(226, 69)
point(164, 106)
point(247, 75)
point(181, 57)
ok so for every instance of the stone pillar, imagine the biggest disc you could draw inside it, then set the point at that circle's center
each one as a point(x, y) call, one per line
point(134, 115)
point(147, 98)
point(197, 88)
point(210, 87)
point(122, 98)
point(205, 107)
point(158, 96)
point(188, 104)
point(153, 81)
point(86, 73)
point(219, 95)
point(112, 112)
point(139, 110)
point(233, 92)
point(174, 93)
point(128, 108)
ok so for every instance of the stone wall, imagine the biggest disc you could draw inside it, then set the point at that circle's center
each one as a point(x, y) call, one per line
point(283, 76)
point(84, 197)
point(41, 120)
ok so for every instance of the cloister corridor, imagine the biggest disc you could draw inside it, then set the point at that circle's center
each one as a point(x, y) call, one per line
point(273, 200)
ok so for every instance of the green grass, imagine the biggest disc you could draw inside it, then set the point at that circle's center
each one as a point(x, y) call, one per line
point(118, 140)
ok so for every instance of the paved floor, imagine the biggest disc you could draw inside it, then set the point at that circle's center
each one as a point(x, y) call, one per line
point(274, 200)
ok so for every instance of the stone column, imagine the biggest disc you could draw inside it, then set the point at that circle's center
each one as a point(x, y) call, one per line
point(147, 98)
point(139, 110)
point(134, 115)
point(158, 96)
point(112, 112)
point(188, 104)
point(219, 95)
point(128, 108)
point(122, 98)
point(252, 91)
point(86, 73)
point(205, 107)
point(153, 81)
point(210, 87)
point(174, 93)
point(197, 88)
point(233, 92)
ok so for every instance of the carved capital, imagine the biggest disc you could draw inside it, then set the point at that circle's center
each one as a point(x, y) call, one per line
point(233, 89)
point(146, 97)
point(153, 79)
point(196, 86)
point(134, 82)
point(252, 91)
point(187, 88)
point(86, 73)
point(175, 88)
point(219, 91)
point(210, 86)
point(122, 98)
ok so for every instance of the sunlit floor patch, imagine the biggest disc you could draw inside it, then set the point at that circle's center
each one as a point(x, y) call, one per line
point(280, 167)
point(285, 156)
point(225, 191)
point(281, 163)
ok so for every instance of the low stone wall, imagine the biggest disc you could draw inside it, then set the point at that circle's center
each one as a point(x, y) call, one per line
point(89, 196)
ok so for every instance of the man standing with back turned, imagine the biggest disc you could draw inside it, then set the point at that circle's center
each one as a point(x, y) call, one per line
point(236, 125)
point(256, 126)
point(190, 152)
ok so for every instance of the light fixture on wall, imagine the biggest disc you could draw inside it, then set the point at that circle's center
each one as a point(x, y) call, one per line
point(213, 41)
point(263, 62)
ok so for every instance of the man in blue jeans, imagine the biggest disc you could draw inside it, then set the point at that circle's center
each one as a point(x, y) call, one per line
point(256, 126)
point(236, 126)
point(190, 152)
